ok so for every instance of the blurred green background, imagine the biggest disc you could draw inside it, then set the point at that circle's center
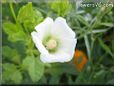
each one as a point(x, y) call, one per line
point(94, 28)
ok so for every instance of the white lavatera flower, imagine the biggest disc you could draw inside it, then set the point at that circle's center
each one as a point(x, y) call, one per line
point(55, 40)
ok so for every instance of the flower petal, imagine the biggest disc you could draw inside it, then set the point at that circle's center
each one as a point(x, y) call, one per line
point(68, 46)
point(61, 29)
point(58, 57)
point(44, 27)
point(38, 43)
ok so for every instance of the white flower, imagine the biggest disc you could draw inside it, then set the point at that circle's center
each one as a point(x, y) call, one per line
point(55, 40)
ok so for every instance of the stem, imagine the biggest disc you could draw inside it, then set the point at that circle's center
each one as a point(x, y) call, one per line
point(12, 11)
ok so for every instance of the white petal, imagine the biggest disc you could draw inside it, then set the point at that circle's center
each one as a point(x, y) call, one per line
point(64, 54)
point(51, 58)
point(44, 27)
point(68, 46)
point(38, 43)
point(61, 29)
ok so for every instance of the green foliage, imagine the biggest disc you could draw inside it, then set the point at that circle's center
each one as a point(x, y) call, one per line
point(94, 31)
point(82, 20)
point(11, 73)
point(29, 16)
point(14, 32)
point(34, 67)
point(61, 7)
point(105, 47)
point(14, 55)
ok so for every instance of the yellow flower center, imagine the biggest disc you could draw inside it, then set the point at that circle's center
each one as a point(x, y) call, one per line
point(51, 44)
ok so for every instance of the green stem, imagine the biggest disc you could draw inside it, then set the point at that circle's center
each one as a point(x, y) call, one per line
point(12, 11)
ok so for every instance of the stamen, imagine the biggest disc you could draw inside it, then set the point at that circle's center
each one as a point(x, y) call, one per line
point(51, 44)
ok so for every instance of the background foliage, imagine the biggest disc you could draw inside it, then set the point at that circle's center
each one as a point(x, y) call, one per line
point(94, 27)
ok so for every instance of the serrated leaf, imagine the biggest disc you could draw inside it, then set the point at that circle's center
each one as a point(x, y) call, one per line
point(25, 13)
point(11, 54)
point(14, 32)
point(29, 16)
point(34, 67)
point(11, 74)
point(9, 28)
point(15, 75)
point(19, 36)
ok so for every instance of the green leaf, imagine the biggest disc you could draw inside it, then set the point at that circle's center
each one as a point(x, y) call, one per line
point(14, 32)
point(37, 16)
point(29, 16)
point(11, 54)
point(9, 28)
point(15, 75)
point(103, 10)
point(61, 7)
point(97, 31)
point(25, 12)
point(19, 36)
point(11, 74)
point(105, 47)
point(34, 67)
point(107, 24)
point(54, 80)
point(99, 76)
point(58, 69)
point(87, 47)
